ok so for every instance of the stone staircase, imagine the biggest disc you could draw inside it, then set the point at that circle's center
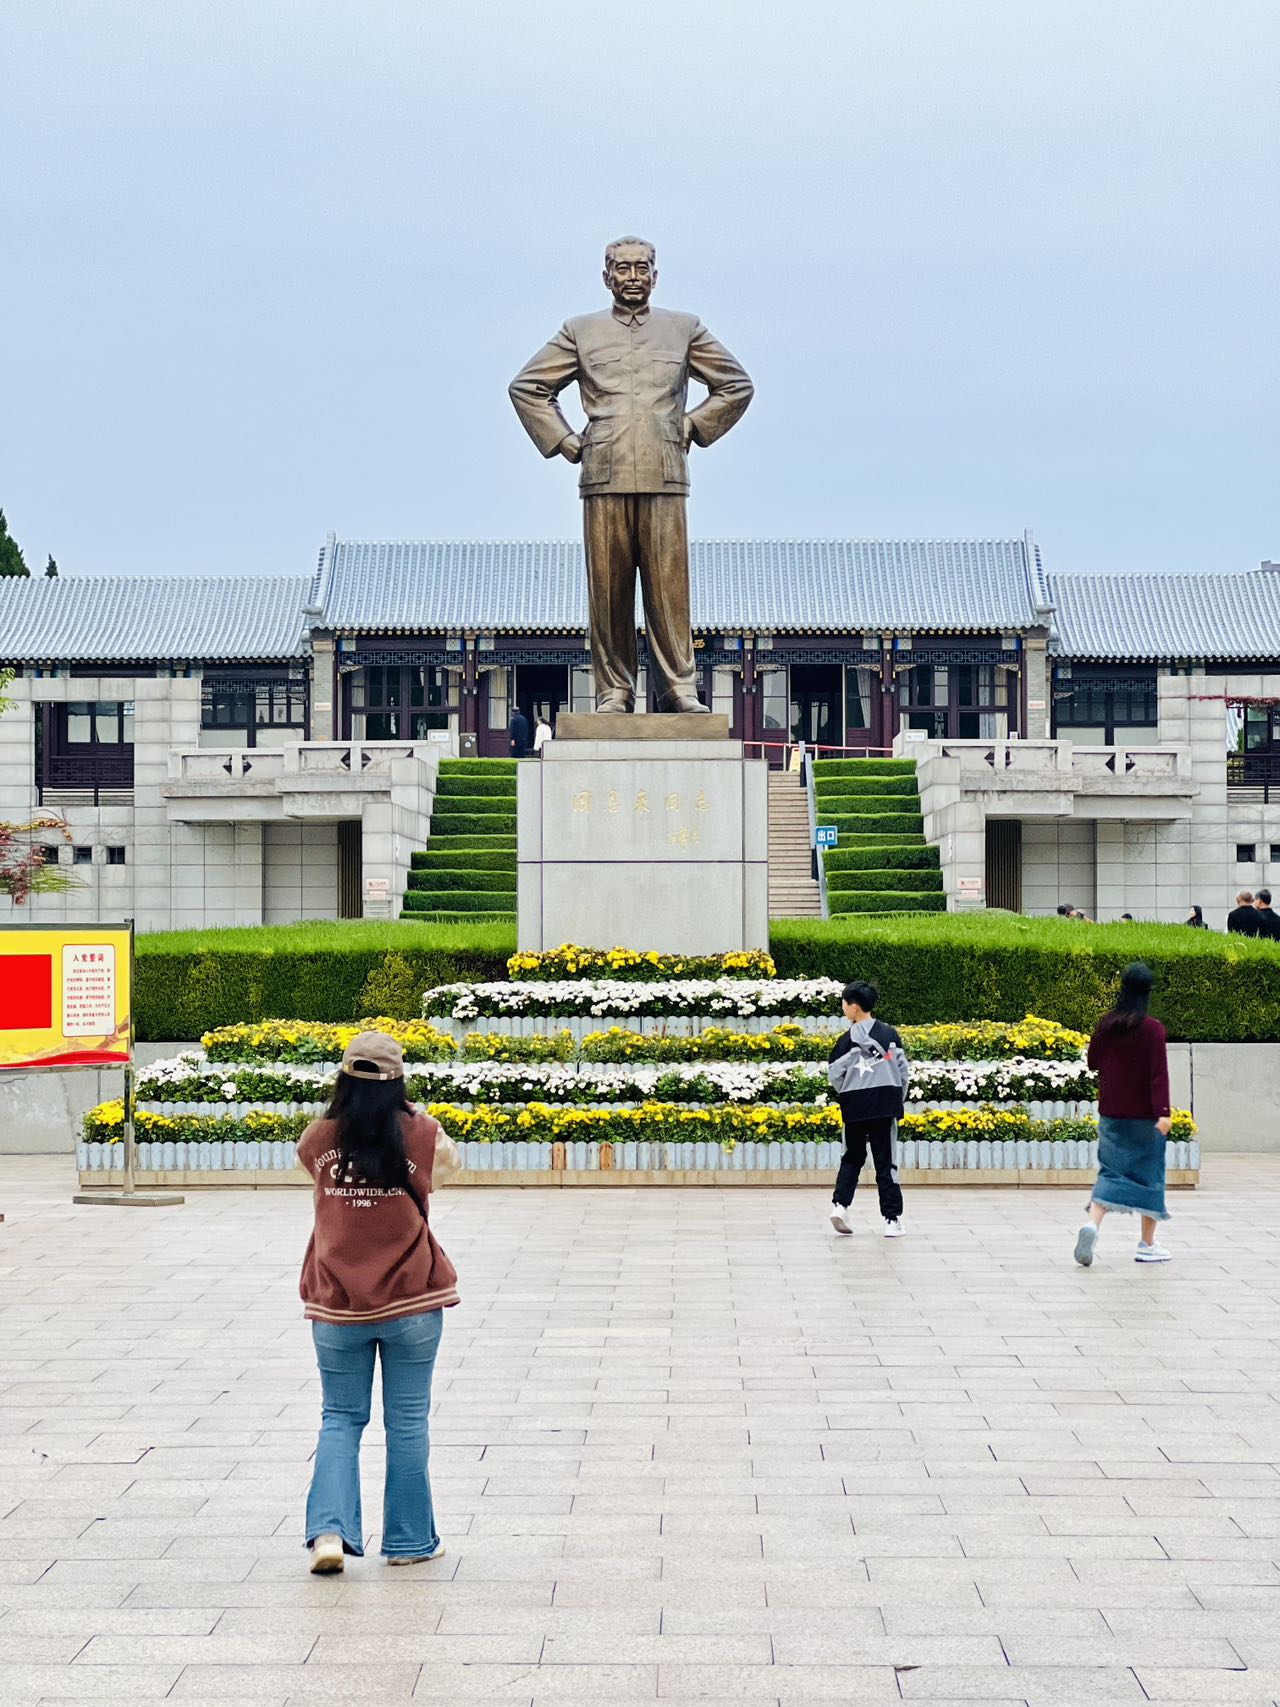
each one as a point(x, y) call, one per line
point(793, 889)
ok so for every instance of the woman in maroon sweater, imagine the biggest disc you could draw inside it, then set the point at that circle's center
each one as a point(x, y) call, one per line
point(1127, 1052)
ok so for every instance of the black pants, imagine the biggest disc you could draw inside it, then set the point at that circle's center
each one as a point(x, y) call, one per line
point(858, 1134)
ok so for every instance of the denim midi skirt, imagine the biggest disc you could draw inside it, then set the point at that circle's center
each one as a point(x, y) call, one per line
point(1130, 1167)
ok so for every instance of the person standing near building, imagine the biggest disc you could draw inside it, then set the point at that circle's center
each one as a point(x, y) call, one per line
point(375, 1284)
point(1195, 918)
point(1128, 1053)
point(541, 734)
point(1242, 920)
point(519, 732)
point(868, 1070)
point(1268, 918)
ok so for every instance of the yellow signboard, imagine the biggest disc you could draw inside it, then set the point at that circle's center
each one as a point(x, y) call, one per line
point(65, 996)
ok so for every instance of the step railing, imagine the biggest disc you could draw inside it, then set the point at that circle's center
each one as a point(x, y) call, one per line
point(818, 866)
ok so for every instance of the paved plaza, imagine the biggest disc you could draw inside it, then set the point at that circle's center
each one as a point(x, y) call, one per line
point(689, 1446)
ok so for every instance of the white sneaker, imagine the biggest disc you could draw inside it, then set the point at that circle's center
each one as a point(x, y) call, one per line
point(1152, 1253)
point(327, 1556)
point(893, 1229)
point(840, 1219)
point(420, 1558)
point(1086, 1239)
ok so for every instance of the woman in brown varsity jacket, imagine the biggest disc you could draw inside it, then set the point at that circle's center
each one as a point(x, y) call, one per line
point(375, 1284)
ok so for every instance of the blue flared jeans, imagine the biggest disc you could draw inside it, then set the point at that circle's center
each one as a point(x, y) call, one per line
point(346, 1356)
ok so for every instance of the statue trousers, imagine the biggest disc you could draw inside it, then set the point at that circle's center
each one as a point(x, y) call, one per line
point(626, 532)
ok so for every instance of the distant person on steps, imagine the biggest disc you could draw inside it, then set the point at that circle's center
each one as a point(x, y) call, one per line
point(1127, 1051)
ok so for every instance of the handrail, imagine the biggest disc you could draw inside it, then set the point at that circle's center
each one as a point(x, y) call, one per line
point(817, 861)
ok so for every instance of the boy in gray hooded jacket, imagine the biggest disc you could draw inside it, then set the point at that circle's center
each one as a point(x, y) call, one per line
point(868, 1071)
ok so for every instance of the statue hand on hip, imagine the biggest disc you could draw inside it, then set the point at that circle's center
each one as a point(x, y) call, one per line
point(571, 448)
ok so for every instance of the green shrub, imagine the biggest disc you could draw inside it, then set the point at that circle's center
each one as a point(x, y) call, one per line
point(437, 878)
point(191, 981)
point(923, 881)
point(876, 823)
point(825, 768)
point(993, 965)
point(455, 843)
point(477, 859)
point(850, 787)
point(445, 901)
point(890, 857)
point(885, 901)
point(478, 767)
point(475, 821)
point(475, 788)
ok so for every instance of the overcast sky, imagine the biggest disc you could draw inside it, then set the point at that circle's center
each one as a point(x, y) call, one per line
point(267, 266)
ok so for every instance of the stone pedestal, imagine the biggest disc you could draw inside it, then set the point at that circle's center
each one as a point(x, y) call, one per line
point(648, 843)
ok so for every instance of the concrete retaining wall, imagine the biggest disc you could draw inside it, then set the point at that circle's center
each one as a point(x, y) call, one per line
point(1233, 1089)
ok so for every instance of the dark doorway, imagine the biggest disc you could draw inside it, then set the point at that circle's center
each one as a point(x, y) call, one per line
point(1004, 863)
point(350, 869)
point(817, 704)
point(542, 687)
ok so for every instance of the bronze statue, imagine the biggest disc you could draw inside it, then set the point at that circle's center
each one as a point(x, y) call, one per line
point(633, 364)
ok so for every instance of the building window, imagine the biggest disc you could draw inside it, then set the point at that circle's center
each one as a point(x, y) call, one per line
point(1246, 853)
point(50, 854)
point(393, 702)
point(965, 702)
point(1275, 853)
point(249, 704)
point(85, 744)
point(97, 723)
point(115, 856)
point(1107, 703)
point(82, 856)
point(582, 688)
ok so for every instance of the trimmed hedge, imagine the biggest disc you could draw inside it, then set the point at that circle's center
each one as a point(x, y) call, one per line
point(439, 902)
point(876, 823)
point(994, 965)
point(925, 882)
point(451, 856)
point(476, 822)
point(884, 901)
point(463, 877)
point(191, 981)
point(887, 858)
point(824, 768)
point(843, 787)
point(476, 787)
point(479, 767)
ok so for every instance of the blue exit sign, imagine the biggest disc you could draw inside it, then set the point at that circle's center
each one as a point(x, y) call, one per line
point(828, 836)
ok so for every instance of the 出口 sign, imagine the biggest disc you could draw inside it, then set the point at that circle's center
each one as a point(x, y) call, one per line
point(65, 996)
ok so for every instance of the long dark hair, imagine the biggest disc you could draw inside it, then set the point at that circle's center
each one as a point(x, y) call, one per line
point(1133, 1002)
point(370, 1137)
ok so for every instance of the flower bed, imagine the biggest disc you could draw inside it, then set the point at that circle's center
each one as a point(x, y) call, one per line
point(188, 1078)
point(314, 1042)
point(600, 996)
point(570, 961)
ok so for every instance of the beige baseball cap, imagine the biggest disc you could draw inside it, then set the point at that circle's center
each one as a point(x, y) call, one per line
point(373, 1055)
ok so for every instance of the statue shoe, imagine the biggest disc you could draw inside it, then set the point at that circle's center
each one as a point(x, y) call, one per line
point(611, 702)
point(679, 703)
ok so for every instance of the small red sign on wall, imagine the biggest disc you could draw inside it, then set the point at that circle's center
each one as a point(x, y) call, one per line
point(26, 992)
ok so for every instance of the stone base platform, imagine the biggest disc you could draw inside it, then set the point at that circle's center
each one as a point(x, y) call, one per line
point(641, 844)
point(642, 726)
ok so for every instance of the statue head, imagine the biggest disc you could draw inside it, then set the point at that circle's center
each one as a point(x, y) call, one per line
point(630, 271)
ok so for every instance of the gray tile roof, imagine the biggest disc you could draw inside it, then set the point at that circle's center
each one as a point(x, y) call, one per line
point(103, 619)
point(809, 586)
point(1210, 616)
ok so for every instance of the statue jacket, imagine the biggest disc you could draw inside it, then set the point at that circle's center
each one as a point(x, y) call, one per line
point(633, 373)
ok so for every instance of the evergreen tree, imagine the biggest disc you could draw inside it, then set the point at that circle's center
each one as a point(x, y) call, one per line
point(12, 562)
point(51, 568)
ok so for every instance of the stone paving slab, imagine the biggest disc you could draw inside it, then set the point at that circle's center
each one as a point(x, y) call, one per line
point(689, 1447)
